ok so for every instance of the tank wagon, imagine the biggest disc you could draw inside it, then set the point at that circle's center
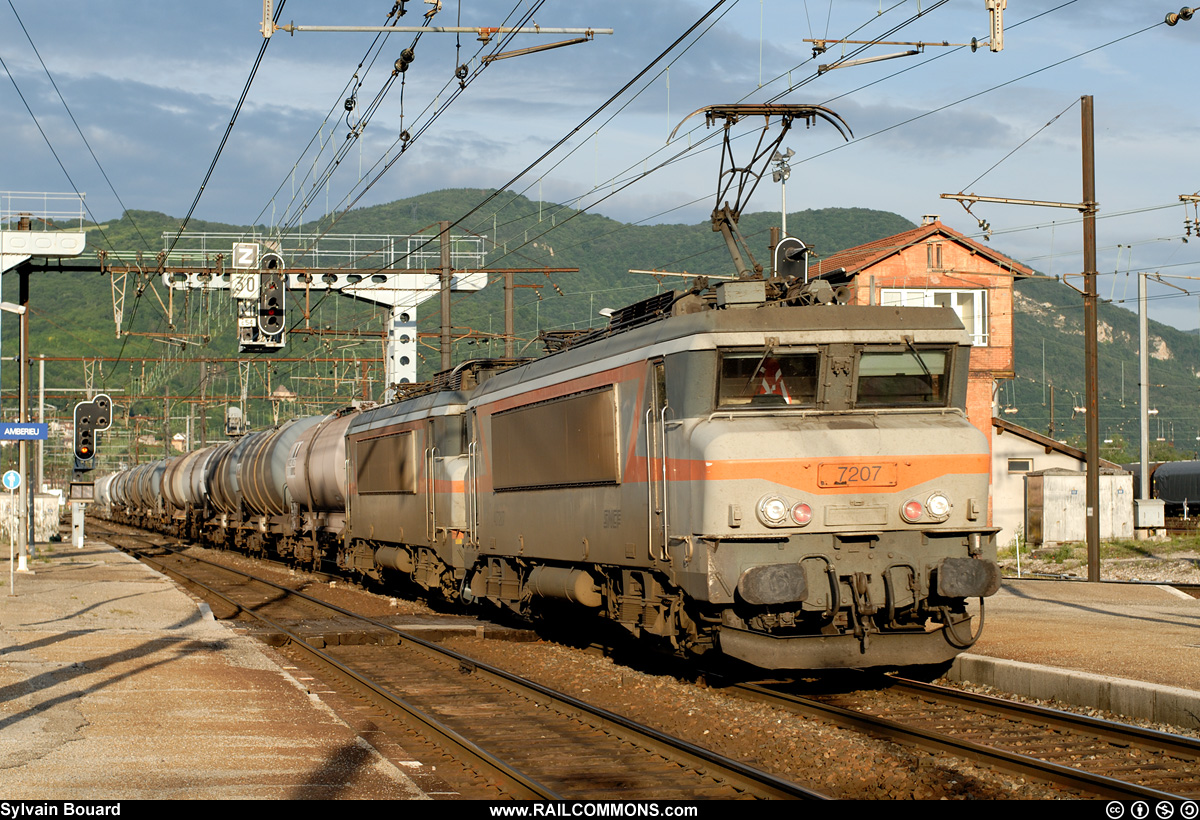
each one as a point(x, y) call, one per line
point(1175, 483)
point(734, 469)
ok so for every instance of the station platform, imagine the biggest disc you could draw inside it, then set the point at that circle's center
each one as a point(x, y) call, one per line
point(116, 685)
point(1133, 649)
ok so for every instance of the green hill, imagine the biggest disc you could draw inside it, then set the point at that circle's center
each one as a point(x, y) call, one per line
point(1049, 318)
point(167, 336)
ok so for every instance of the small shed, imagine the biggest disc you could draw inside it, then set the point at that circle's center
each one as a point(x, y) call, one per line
point(1016, 452)
point(1056, 505)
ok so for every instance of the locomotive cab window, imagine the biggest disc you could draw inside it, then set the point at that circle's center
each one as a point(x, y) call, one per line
point(758, 378)
point(908, 377)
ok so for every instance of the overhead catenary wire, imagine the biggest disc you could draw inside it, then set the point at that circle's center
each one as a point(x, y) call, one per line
point(404, 143)
point(1024, 142)
point(208, 175)
point(1009, 82)
point(684, 136)
point(319, 135)
point(1105, 215)
point(894, 29)
point(46, 138)
point(384, 164)
point(225, 137)
point(1066, 4)
point(354, 134)
point(594, 113)
point(79, 130)
point(389, 163)
point(613, 180)
point(660, 165)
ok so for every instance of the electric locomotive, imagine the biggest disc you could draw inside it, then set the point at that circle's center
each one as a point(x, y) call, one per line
point(797, 487)
point(722, 469)
point(750, 468)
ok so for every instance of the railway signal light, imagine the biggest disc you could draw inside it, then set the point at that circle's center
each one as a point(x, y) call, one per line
point(271, 289)
point(103, 408)
point(791, 258)
point(91, 417)
point(85, 445)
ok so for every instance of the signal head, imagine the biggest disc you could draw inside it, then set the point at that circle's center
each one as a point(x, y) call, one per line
point(271, 303)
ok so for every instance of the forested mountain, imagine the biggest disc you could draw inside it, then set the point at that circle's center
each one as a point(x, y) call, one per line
point(1049, 323)
point(72, 312)
point(72, 315)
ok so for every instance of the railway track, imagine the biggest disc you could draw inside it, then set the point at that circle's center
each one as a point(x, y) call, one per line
point(1067, 746)
point(1090, 756)
point(513, 737)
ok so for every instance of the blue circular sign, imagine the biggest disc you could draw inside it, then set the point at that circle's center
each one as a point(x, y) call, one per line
point(12, 480)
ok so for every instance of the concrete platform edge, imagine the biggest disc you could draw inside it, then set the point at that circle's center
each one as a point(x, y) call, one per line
point(1135, 699)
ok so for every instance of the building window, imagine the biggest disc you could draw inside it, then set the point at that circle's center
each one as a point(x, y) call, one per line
point(1020, 465)
point(933, 255)
point(970, 305)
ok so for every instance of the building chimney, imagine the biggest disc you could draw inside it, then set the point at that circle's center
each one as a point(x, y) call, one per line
point(929, 219)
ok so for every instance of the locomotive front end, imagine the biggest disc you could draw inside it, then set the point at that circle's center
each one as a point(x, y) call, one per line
point(837, 493)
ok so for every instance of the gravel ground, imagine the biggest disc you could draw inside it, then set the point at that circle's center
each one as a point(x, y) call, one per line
point(841, 763)
point(981, 689)
point(1176, 568)
point(340, 593)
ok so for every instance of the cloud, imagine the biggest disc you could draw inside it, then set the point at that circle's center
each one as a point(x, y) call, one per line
point(154, 84)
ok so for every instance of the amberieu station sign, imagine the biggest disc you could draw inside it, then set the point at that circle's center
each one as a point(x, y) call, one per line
point(29, 431)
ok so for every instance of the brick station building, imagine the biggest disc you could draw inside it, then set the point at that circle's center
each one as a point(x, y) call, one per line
point(936, 266)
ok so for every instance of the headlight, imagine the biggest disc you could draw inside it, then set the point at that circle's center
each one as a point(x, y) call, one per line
point(772, 510)
point(939, 506)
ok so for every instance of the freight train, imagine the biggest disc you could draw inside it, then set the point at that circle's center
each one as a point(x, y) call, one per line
point(751, 469)
point(1175, 483)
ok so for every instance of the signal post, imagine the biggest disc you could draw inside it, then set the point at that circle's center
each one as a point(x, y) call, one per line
point(91, 417)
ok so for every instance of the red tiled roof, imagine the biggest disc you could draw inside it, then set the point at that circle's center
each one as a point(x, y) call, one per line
point(864, 256)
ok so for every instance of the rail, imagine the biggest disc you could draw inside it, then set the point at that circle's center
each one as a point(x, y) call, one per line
point(711, 766)
point(941, 741)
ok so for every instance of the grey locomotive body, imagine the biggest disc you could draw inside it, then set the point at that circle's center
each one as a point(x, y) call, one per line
point(793, 486)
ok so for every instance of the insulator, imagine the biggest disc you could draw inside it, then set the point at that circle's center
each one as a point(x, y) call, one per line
point(349, 104)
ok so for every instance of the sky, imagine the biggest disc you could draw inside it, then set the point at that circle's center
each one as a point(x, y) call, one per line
point(153, 85)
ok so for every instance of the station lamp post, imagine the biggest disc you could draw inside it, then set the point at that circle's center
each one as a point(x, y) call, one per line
point(783, 170)
point(23, 510)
